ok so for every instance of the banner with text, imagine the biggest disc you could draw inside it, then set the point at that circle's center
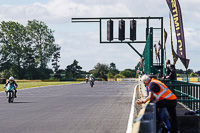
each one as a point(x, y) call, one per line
point(178, 24)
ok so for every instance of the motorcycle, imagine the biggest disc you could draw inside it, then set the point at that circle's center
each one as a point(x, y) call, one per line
point(91, 82)
point(10, 93)
point(86, 80)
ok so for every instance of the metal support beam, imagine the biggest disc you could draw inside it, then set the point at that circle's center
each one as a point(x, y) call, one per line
point(151, 50)
point(162, 50)
point(134, 49)
point(147, 29)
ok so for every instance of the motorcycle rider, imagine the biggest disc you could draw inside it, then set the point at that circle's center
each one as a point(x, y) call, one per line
point(92, 77)
point(12, 82)
point(86, 78)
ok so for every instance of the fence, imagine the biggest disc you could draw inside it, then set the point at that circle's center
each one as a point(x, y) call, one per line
point(187, 93)
point(126, 79)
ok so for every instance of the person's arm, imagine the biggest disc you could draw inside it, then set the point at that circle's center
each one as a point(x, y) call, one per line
point(16, 84)
point(141, 101)
point(5, 85)
point(150, 97)
point(170, 74)
point(153, 87)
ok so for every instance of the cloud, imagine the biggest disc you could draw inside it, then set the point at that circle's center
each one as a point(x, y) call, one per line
point(80, 41)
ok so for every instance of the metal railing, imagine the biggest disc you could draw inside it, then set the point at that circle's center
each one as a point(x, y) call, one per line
point(187, 93)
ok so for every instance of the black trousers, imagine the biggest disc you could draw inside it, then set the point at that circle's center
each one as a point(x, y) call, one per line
point(171, 108)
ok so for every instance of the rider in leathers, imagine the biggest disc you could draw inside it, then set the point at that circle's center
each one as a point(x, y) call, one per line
point(12, 82)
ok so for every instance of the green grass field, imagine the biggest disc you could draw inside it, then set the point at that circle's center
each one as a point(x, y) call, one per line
point(22, 85)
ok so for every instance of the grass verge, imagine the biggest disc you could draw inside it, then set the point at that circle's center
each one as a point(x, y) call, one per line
point(23, 85)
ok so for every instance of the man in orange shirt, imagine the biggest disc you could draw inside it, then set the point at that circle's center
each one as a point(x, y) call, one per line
point(165, 99)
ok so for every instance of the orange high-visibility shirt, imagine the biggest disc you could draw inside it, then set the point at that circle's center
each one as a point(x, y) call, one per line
point(164, 93)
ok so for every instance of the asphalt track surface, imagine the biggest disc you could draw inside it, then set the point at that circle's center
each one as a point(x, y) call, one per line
point(77, 108)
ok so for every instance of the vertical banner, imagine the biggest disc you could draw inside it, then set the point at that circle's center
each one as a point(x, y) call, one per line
point(174, 55)
point(165, 39)
point(178, 24)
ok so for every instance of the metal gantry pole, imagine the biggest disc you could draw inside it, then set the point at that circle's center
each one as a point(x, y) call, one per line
point(162, 50)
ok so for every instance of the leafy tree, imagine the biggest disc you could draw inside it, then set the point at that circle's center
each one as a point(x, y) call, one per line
point(42, 41)
point(112, 70)
point(5, 74)
point(197, 72)
point(47, 72)
point(55, 65)
point(111, 74)
point(100, 71)
point(112, 66)
point(190, 71)
point(128, 73)
point(62, 71)
point(30, 67)
point(119, 76)
point(180, 71)
point(25, 48)
point(73, 69)
point(55, 61)
point(69, 75)
point(13, 40)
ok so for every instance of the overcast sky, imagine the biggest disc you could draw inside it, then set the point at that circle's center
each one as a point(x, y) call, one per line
point(80, 41)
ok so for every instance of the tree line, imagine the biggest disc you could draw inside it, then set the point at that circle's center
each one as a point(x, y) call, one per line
point(190, 73)
point(106, 71)
point(100, 70)
point(26, 50)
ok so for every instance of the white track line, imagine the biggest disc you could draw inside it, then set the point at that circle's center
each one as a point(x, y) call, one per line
point(130, 121)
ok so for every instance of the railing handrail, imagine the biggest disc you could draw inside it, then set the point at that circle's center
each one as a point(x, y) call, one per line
point(187, 93)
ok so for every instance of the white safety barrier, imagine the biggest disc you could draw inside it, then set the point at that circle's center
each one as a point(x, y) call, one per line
point(126, 79)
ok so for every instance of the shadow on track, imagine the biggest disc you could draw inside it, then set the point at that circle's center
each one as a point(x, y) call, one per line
point(22, 102)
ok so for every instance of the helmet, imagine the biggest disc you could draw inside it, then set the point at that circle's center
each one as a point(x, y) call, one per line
point(11, 79)
point(91, 74)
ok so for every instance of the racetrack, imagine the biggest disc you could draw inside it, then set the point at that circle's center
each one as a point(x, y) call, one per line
point(74, 108)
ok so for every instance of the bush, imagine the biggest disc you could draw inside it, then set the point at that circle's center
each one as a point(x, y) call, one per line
point(128, 73)
point(80, 79)
point(6, 73)
point(119, 76)
point(2, 81)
